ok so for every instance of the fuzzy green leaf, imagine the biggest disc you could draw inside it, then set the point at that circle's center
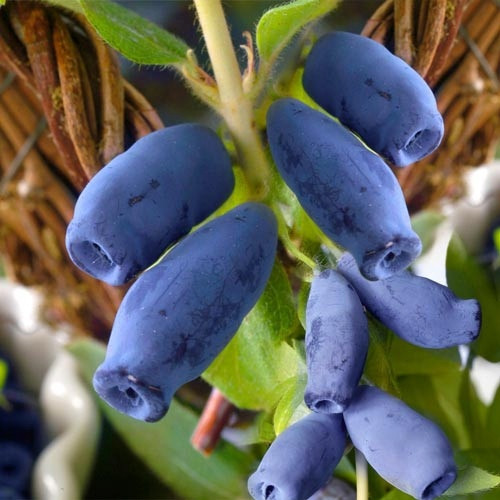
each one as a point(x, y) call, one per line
point(257, 361)
point(280, 24)
point(134, 37)
point(468, 280)
point(164, 446)
point(472, 480)
point(73, 5)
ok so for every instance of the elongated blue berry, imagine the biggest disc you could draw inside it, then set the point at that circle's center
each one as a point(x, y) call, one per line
point(146, 199)
point(376, 94)
point(346, 189)
point(300, 460)
point(336, 343)
point(180, 314)
point(416, 309)
point(408, 450)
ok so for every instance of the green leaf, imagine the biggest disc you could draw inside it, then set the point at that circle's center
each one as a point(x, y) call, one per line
point(396, 495)
point(279, 25)
point(425, 224)
point(136, 38)
point(378, 367)
point(484, 458)
point(164, 446)
point(468, 280)
point(408, 359)
point(473, 412)
point(437, 398)
point(492, 420)
point(4, 371)
point(496, 238)
point(293, 396)
point(2, 2)
point(472, 480)
point(73, 5)
point(256, 361)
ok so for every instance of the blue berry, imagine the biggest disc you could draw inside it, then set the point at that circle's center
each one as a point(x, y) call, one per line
point(180, 314)
point(336, 343)
point(300, 460)
point(346, 189)
point(416, 309)
point(405, 448)
point(376, 94)
point(15, 465)
point(146, 199)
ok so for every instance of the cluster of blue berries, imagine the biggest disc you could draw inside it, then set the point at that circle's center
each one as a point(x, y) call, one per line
point(180, 313)
point(354, 197)
point(21, 437)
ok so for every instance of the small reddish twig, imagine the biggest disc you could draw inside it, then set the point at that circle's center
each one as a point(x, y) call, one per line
point(215, 416)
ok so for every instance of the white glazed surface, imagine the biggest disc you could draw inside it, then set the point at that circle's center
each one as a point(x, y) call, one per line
point(70, 416)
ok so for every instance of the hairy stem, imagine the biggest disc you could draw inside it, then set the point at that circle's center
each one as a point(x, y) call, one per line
point(235, 106)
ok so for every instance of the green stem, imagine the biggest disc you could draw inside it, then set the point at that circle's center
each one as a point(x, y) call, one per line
point(235, 106)
point(288, 243)
point(361, 477)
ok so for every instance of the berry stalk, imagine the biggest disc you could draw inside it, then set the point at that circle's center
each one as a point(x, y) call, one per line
point(235, 106)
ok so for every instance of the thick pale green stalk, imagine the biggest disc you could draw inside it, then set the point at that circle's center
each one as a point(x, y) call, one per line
point(235, 106)
point(361, 477)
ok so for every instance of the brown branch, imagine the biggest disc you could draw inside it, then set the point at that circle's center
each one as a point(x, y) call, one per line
point(37, 175)
point(12, 53)
point(37, 35)
point(432, 35)
point(72, 98)
point(111, 93)
point(27, 118)
point(140, 103)
point(136, 122)
point(382, 33)
point(476, 24)
point(215, 417)
point(452, 24)
point(403, 30)
point(378, 17)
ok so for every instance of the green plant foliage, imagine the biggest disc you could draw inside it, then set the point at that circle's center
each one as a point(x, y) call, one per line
point(257, 360)
point(279, 25)
point(4, 371)
point(73, 5)
point(292, 398)
point(425, 224)
point(378, 368)
point(496, 238)
point(492, 421)
point(468, 280)
point(473, 412)
point(408, 359)
point(164, 446)
point(131, 35)
point(396, 495)
point(472, 480)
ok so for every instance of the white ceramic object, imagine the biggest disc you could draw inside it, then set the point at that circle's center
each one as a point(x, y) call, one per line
point(70, 416)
